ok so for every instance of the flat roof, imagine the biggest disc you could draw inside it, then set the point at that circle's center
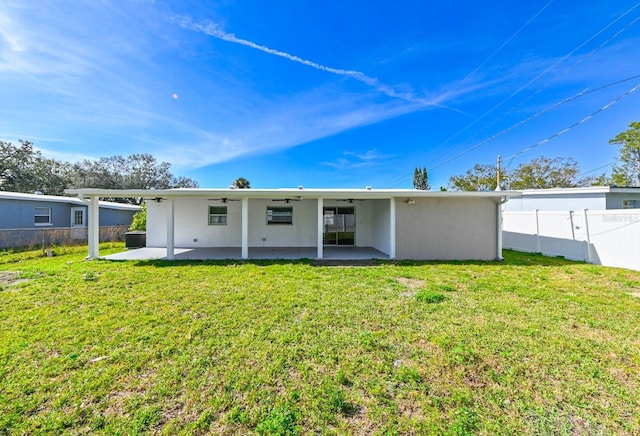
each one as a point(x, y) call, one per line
point(6, 195)
point(583, 190)
point(360, 194)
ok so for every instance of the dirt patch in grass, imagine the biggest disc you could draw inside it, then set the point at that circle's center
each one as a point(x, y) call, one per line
point(635, 294)
point(413, 284)
point(410, 283)
point(9, 278)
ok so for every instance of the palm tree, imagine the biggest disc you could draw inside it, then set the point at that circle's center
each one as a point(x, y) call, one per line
point(241, 183)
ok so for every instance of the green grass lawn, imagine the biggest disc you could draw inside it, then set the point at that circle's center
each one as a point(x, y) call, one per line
point(531, 345)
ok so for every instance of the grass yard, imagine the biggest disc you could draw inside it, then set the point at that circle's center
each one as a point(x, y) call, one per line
point(531, 345)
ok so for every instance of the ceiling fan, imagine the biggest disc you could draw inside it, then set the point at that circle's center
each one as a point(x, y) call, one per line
point(288, 200)
point(223, 200)
point(351, 200)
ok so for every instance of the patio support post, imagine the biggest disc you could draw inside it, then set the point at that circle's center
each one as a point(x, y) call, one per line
point(94, 228)
point(320, 241)
point(170, 229)
point(392, 228)
point(245, 228)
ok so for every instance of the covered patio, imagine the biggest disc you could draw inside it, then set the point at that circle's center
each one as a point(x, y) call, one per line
point(300, 223)
point(222, 253)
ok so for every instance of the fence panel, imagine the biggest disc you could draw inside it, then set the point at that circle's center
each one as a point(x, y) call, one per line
point(609, 237)
point(48, 236)
point(615, 238)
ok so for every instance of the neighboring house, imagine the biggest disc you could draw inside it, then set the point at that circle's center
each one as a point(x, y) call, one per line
point(28, 219)
point(598, 224)
point(251, 223)
point(591, 198)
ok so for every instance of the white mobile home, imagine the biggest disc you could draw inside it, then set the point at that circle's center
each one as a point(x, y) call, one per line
point(247, 223)
point(591, 198)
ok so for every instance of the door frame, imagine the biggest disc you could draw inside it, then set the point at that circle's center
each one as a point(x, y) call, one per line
point(337, 233)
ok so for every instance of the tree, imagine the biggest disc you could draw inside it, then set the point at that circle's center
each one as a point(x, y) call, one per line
point(241, 183)
point(421, 179)
point(23, 169)
point(138, 171)
point(482, 177)
point(539, 173)
point(543, 172)
point(626, 172)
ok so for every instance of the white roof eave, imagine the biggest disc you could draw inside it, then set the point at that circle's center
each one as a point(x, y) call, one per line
point(360, 194)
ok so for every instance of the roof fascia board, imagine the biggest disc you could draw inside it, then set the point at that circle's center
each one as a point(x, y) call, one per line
point(360, 194)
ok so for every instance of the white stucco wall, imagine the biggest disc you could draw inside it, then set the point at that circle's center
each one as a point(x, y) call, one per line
point(380, 226)
point(156, 224)
point(192, 229)
point(302, 233)
point(446, 229)
point(432, 228)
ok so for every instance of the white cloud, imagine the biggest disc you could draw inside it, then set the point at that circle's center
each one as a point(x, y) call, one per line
point(353, 160)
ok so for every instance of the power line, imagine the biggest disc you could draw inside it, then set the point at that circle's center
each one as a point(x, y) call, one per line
point(585, 119)
point(595, 169)
point(555, 135)
point(533, 117)
point(526, 85)
point(578, 62)
point(491, 56)
point(504, 44)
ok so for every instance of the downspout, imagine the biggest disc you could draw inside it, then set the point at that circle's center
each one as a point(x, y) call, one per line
point(500, 202)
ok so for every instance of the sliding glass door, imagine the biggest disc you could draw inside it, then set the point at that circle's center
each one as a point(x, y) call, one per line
point(339, 226)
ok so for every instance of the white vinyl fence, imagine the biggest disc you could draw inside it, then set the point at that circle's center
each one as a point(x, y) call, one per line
point(603, 237)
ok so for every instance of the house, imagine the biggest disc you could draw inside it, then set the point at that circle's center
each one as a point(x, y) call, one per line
point(316, 223)
point(591, 198)
point(30, 219)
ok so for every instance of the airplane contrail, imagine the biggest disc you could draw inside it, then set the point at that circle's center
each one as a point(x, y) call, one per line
point(212, 29)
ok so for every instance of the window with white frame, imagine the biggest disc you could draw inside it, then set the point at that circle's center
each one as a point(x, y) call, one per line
point(279, 215)
point(78, 217)
point(217, 215)
point(42, 216)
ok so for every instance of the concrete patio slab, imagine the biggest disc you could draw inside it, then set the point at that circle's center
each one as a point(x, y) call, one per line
point(338, 253)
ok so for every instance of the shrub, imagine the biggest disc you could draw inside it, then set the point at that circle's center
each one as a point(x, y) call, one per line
point(139, 221)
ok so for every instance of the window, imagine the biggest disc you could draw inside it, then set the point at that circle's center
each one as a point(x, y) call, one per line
point(42, 216)
point(279, 215)
point(78, 217)
point(630, 204)
point(217, 215)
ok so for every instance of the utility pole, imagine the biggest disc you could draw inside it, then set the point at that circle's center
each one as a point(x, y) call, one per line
point(498, 174)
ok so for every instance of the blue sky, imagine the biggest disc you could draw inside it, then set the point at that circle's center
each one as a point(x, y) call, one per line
point(320, 94)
